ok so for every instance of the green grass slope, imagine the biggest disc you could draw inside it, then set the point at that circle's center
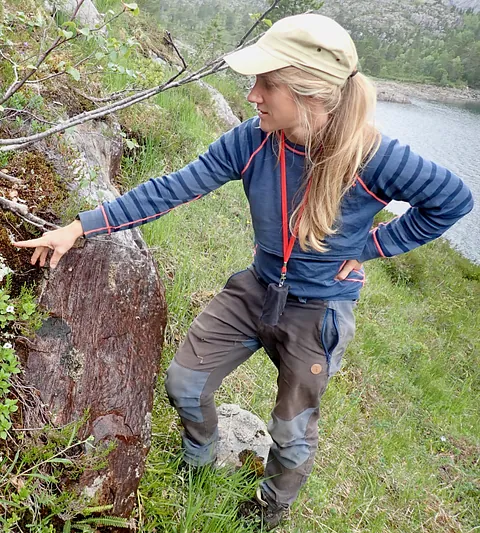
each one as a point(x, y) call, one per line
point(399, 438)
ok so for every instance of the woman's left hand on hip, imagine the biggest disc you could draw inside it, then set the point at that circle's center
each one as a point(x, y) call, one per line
point(351, 264)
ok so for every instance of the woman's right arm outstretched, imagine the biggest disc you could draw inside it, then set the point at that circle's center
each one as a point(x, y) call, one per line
point(223, 161)
point(59, 241)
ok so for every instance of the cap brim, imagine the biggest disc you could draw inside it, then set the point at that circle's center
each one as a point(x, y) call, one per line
point(253, 60)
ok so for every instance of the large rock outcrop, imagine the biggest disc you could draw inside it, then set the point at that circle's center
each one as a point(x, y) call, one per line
point(99, 350)
point(88, 14)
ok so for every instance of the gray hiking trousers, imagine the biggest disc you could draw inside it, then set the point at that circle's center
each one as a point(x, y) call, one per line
point(306, 346)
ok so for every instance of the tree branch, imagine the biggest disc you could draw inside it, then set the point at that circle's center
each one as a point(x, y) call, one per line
point(170, 41)
point(111, 98)
point(25, 112)
point(62, 72)
point(22, 212)
point(16, 85)
point(22, 142)
point(14, 65)
point(93, 30)
point(11, 179)
point(214, 66)
point(249, 32)
point(77, 9)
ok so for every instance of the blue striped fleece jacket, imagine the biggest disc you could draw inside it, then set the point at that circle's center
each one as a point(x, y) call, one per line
point(438, 198)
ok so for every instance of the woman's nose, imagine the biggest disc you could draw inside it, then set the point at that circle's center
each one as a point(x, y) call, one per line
point(255, 96)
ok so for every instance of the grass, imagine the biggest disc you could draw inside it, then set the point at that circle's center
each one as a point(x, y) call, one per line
point(233, 88)
point(399, 440)
point(399, 435)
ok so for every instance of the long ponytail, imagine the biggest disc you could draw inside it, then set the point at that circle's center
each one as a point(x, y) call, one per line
point(336, 152)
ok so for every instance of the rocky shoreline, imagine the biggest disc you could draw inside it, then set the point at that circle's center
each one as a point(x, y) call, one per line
point(402, 93)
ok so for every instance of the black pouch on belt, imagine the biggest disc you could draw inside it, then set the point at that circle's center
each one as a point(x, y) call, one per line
point(274, 304)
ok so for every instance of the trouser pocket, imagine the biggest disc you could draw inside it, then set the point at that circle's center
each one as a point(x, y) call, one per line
point(234, 275)
point(338, 329)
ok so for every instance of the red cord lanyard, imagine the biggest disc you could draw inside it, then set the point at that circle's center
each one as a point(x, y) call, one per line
point(288, 242)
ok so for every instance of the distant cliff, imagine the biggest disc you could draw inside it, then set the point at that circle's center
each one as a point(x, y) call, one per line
point(395, 19)
point(465, 5)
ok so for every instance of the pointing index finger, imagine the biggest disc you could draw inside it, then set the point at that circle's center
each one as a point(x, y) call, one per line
point(33, 243)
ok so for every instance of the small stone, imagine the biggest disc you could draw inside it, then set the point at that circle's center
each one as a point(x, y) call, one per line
point(240, 430)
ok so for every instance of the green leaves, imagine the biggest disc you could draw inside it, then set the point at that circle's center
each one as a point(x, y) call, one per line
point(7, 310)
point(8, 367)
point(32, 481)
point(74, 73)
point(66, 34)
point(131, 143)
point(7, 407)
point(27, 309)
point(16, 314)
point(68, 29)
point(132, 8)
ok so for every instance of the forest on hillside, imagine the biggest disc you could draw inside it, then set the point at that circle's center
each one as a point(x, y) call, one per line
point(419, 41)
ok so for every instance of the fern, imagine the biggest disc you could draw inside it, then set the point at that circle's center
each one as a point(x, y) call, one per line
point(113, 521)
point(98, 509)
point(83, 527)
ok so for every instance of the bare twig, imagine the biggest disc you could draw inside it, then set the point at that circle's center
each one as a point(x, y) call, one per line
point(106, 23)
point(61, 72)
point(14, 65)
point(90, 72)
point(114, 104)
point(215, 64)
point(45, 33)
point(35, 412)
point(25, 112)
point(111, 98)
point(16, 85)
point(77, 9)
point(7, 59)
point(10, 178)
point(249, 32)
point(211, 65)
point(22, 142)
point(22, 212)
point(170, 41)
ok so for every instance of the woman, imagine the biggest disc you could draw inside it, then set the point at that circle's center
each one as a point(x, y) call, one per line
point(315, 173)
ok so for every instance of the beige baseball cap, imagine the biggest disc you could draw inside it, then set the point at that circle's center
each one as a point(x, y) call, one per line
point(310, 42)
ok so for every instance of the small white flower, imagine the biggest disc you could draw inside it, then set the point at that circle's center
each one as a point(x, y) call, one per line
point(4, 270)
point(8, 345)
point(443, 439)
point(10, 309)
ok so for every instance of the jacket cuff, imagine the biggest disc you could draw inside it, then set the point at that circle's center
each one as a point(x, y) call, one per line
point(94, 223)
point(372, 248)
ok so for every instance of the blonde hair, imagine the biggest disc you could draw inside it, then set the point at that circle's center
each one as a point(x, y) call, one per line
point(336, 152)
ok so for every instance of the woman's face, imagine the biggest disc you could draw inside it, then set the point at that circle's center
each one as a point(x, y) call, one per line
point(278, 110)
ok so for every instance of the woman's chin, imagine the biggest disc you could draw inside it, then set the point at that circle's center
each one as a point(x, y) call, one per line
point(265, 126)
